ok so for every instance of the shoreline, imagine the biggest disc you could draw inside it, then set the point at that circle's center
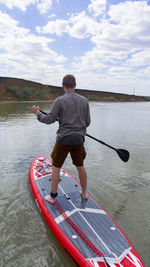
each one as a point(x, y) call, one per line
point(14, 89)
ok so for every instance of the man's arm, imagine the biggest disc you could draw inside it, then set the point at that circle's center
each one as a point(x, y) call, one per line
point(88, 117)
point(50, 117)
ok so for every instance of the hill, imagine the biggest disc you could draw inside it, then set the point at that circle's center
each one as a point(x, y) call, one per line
point(19, 89)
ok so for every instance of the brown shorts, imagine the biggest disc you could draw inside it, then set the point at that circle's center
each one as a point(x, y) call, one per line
point(60, 153)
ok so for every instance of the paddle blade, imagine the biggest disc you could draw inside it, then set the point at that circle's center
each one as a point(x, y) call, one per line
point(123, 154)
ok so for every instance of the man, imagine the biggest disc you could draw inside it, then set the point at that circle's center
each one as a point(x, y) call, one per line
point(72, 112)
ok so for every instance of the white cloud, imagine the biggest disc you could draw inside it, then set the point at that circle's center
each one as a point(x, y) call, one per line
point(92, 61)
point(42, 5)
point(9, 27)
point(126, 29)
point(18, 3)
point(144, 73)
point(54, 27)
point(82, 26)
point(97, 6)
point(139, 59)
point(25, 54)
point(132, 24)
point(121, 44)
point(79, 26)
point(118, 60)
point(52, 16)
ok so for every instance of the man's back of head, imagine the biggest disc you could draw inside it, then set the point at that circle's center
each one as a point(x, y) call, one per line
point(69, 82)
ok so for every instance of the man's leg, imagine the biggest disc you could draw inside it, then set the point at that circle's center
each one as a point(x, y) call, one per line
point(58, 156)
point(83, 181)
point(55, 179)
point(78, 155)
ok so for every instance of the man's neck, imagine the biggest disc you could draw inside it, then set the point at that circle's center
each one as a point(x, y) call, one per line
point(69, 90)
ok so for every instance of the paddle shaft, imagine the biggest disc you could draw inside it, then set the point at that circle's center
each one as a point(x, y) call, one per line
point(101, 142)
point(122, 153)
point(88, 135)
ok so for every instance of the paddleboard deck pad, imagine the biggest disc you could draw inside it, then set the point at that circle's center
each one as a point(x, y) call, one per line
point(83, 228)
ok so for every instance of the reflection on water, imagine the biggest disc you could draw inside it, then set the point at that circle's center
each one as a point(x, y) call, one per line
point(123, 189)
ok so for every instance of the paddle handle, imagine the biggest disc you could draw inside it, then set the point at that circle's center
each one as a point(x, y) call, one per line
point(43, 112)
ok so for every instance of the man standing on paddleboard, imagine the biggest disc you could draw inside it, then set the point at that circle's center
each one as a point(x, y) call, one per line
point(72, 112)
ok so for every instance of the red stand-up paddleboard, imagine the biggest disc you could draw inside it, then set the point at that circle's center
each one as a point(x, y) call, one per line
point(83, 228)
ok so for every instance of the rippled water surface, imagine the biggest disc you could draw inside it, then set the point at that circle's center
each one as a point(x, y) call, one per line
point(122, 189)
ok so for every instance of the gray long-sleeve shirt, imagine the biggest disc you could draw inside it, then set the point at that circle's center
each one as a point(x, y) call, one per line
point(72, 112)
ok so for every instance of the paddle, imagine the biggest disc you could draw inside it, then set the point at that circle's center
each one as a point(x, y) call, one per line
point(122, 153)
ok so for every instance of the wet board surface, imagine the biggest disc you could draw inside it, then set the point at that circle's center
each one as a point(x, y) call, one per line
point(82, 227)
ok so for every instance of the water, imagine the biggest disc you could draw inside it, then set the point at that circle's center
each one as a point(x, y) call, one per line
point(122, 189)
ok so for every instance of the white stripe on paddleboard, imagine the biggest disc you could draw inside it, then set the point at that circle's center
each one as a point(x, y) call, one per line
point(96, 263)
point(112, 262)
point(134, 260)
point(60, 218)
point(90, 227)
point(38, 178)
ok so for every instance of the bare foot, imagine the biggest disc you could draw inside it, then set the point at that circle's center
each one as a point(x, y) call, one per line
point(50, 199)
point(84, 195)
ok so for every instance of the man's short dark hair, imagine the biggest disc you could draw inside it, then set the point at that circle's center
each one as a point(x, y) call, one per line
point(69, 81)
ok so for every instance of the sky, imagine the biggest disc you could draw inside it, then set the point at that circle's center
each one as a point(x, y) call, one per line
point(105, 44)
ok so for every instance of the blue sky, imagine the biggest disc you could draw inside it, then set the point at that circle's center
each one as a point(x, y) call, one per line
point(104, 43)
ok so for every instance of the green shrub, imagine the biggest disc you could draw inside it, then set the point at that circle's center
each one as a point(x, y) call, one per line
point(27, 93)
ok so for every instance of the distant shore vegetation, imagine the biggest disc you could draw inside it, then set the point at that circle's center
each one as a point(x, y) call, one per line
point(19, 89)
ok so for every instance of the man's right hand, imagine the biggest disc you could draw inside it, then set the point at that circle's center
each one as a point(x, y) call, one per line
point(36, 109)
